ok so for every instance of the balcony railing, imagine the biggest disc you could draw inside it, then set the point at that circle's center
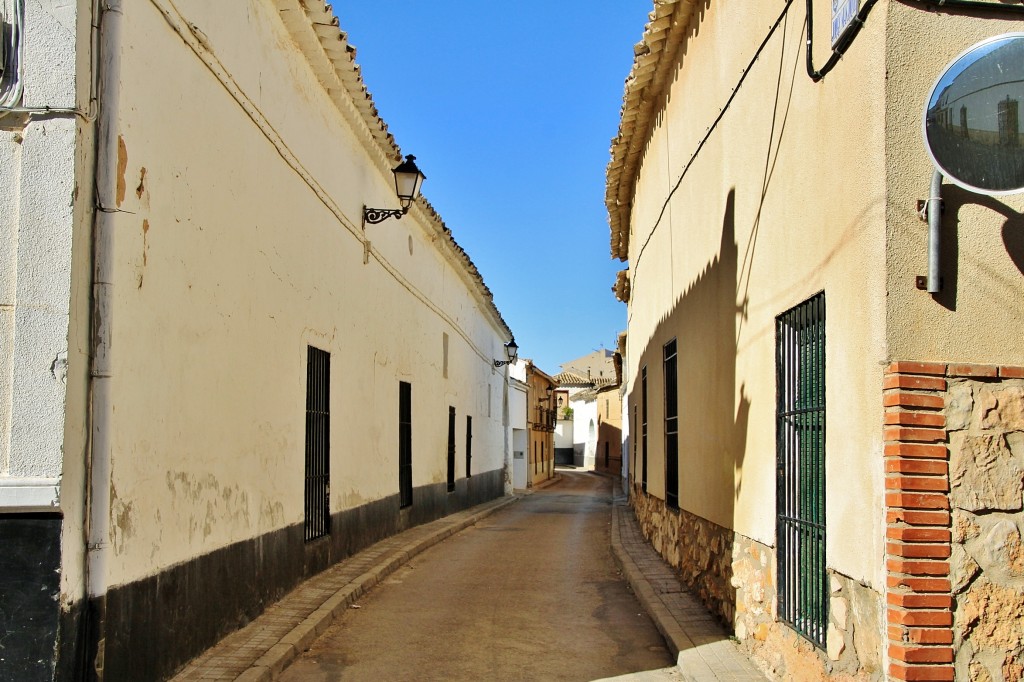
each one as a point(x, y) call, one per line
point(545, 419)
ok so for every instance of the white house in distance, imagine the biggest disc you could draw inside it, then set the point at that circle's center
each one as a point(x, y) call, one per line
point(517, 434)
point(579, 381)
point(218, 374)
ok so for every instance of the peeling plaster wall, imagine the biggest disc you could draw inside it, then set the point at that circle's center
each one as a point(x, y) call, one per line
point(229, 265)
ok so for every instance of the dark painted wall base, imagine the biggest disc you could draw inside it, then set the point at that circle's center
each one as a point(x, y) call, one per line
point(29, 595)
point(156, 625)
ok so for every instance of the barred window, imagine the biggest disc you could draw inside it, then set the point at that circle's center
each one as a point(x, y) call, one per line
point(800, 485)
point(671, 426)
point(317, 521)
point(405, 444)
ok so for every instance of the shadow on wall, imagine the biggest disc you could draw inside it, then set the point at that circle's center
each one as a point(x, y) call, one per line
point(955, 199)
point(609, 452)
point(712, 424)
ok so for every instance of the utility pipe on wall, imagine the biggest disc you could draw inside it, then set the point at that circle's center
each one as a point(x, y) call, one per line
point(101, 370)
point(935, 234)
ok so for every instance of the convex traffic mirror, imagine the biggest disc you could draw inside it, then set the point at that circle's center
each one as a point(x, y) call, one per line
point(972, 119)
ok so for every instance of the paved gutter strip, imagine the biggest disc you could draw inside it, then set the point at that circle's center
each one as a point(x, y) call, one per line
point(703, 649)
point(309, 609)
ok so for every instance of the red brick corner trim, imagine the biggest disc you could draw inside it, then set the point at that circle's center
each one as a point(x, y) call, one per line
point(919, 598)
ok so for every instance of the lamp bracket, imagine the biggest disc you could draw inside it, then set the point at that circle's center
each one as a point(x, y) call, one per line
point(379, 215)
point(502, 363)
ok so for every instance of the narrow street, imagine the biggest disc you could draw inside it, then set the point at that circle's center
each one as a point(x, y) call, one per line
point(532, 592)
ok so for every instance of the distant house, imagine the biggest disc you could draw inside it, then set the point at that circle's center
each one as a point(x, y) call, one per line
point(608, 449)
point(598, 365)
point(519, 428)
point(541, 417)
point(570, 384)
point(589, 398)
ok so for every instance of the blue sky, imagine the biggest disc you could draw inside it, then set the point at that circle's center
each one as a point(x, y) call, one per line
point(510, 109)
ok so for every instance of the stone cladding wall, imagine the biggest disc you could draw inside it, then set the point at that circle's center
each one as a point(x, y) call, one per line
point(735, 578)
point(954, 462)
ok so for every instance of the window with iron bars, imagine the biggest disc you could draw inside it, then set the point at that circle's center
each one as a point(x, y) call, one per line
point(469, 446)
point(633, 438)
point(404, 444)
point(800, 467)
point(643, 428)
point(671, 426)
point(451, 449)
point(317, 521)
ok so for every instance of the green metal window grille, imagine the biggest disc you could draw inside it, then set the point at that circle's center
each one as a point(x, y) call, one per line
point(643, 428)
point(800, 467)
point(317, 520)
point(405, 444)
point(671, 426)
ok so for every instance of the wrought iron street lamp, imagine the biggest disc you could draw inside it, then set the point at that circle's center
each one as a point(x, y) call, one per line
point(408, 180)
point(511, 352)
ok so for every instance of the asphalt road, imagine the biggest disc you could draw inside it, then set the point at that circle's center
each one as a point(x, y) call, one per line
point(529, 593)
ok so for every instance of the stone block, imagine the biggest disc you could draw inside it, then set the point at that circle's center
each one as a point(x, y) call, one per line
point(989, 616)
point(840, 609)
point(959, 406)
point(962, 568)
point(835, 642)
point(965, 526)
point(998, 548)
point(984, 476)
point(1002, 408)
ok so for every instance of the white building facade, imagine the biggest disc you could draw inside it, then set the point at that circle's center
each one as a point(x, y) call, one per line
point(214, 376)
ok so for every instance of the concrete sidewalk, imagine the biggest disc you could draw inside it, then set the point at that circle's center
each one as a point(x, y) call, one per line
point(703, 648)
point(262, 649)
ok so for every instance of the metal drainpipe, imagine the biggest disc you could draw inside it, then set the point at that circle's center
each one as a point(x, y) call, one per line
point(100, 418)
point(935, 234)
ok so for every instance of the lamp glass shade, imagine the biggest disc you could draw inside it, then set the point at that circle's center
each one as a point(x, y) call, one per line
point(408, 179)
point(512, 350)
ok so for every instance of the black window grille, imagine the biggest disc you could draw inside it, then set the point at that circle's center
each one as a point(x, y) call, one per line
point(317, 521)
point(643, 429)
point(469, 446)
point(405, 444)
point(800, 466)
point(671, 426)
point(451, 449)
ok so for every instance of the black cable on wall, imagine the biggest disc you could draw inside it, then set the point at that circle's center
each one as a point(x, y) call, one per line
point(840, 48)
point(978, 5)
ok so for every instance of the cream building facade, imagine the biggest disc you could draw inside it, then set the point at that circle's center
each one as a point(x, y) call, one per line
point(541, 418)
point(215, 380)
point(807, 473)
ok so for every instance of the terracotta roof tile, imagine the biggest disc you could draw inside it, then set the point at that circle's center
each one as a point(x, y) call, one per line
point(666, 29)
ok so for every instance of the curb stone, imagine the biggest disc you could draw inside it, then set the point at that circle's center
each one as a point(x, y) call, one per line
point(713, 656)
